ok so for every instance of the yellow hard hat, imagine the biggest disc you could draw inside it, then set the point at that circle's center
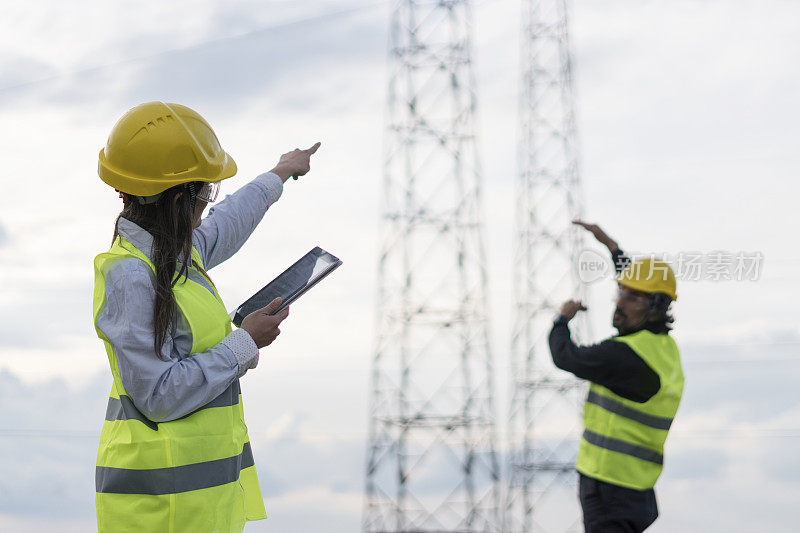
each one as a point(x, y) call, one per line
point(155, 146)
point(649, 275)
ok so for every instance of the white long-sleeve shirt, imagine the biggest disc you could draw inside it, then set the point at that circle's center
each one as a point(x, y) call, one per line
point(170, 384)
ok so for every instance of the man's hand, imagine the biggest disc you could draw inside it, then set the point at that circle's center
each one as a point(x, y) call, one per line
point(262, 325)
point(599, 234)
point(295, 163)
point(570, 308)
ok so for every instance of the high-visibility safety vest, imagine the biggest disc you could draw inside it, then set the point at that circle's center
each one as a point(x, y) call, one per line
point(623, 441)
point(192, 474)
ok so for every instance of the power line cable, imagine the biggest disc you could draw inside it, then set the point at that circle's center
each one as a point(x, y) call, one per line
point(792, 433)
point(97, 68)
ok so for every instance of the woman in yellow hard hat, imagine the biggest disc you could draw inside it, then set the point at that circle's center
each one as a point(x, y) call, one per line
point(174, 454)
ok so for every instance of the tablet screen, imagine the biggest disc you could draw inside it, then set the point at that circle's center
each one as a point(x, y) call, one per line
point(291, 283)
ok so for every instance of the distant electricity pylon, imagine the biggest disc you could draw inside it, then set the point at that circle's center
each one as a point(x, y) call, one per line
point(544, 424)
point(431, 459)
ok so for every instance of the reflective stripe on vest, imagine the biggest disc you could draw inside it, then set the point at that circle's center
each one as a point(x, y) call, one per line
point(610, 404)
point(193, 473)
point(122, 408)
point(177, 479)
point(623, 441)
point(621, 446)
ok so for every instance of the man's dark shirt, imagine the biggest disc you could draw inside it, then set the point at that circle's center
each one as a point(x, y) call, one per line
point(612, 364)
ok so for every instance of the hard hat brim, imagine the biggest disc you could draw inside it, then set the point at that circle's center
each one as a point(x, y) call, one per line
point(146, 186)
point(643, 287)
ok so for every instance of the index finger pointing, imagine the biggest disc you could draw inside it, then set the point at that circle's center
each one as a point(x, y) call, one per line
point(314, 148)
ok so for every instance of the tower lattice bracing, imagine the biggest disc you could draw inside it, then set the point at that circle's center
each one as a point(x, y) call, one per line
point(544, 422)
point(431, 458)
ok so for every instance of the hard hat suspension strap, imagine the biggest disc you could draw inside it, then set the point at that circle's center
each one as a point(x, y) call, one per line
point(192, 195)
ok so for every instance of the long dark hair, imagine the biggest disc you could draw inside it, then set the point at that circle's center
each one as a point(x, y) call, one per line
point(171, 229)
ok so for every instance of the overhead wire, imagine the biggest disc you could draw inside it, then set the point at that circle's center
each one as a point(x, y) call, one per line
point(251, 33)
point(790, 433)
point(365, 6)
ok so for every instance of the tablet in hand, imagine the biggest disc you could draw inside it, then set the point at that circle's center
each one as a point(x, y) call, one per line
point(291, 284)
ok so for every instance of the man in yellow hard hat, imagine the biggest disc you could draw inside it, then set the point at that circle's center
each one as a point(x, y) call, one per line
point(636, 383)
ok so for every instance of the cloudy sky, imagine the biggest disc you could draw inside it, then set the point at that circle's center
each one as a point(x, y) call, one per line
point(688, 124)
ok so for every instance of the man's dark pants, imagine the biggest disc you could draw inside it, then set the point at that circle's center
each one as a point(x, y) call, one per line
point(610, 508)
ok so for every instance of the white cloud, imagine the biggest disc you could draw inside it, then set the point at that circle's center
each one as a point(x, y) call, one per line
point(687, 125)
point(733, 437)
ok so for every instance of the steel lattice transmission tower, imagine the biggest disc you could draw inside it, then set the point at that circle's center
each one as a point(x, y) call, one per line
point(431, 460)
point(544, 424)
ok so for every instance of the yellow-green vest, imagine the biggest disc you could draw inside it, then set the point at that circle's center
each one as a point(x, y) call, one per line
point(192, 474)
point(623, 441)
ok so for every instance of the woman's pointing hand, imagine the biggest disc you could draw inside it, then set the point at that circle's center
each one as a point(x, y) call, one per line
point(295, 163)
